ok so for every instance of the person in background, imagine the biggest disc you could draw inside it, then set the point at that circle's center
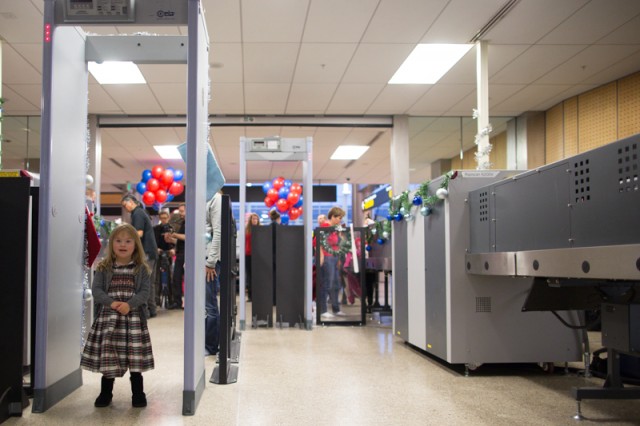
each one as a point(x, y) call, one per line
point(329, 262)
point(213, 228)
point(178, 239)
point(165, 254)
point(254, 220)
point(322, 219)
point(142, 222)
point(119, 339)
point(274, 216)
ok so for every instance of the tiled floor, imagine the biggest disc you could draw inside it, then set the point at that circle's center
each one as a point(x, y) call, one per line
point(336, 376)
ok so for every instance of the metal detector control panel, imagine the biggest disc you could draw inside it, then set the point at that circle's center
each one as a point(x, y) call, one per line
point(99, 11)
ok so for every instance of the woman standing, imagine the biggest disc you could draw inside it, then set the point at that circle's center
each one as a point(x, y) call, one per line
point(253, 220)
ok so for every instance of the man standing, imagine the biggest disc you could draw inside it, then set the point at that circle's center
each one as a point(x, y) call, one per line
point(178, 266)
point(141, 221)
point(212, 272)
point(162, 232)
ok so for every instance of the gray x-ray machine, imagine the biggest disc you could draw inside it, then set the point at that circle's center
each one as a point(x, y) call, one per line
point(67, 49)
point(280, 149)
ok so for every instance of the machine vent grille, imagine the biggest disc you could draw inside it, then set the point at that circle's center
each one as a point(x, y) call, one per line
point(484, 206)
point(582, 181)
point(628, 168)
point(483, 304)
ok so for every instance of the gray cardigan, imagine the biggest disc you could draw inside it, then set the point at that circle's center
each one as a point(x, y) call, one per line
point(100, 290)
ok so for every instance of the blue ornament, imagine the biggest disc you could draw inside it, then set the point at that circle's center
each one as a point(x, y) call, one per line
point(389, 217)
point(417, 200)
point(141, 187)
point(367, 247)
point(425, 211)
point(380, 241)
point(399, 217)
point(146, 175)
point(101, 222)
point(266, 186)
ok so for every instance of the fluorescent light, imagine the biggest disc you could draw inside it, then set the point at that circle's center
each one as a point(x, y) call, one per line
point(349, 152)
point(428, 63)
point(116, 72)
point(168, 152)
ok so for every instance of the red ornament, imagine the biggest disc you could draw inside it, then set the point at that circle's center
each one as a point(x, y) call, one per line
point(282, 205)
point(176, 188)
point(161, 195)
point(293, 197)
point(148, 198)
point(295, 188)
point(167, 177)
point(157, 172)
point(273, 194)
point(153, 185)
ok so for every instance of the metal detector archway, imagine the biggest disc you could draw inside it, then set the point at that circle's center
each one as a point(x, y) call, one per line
point(280, 149)
point(66, 51)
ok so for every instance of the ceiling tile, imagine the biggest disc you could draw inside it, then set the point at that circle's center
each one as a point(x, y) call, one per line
point(402, 21)
point(376, 63)
point(309, 98)
point(273, 21)
point(323, 62)
point(269, 62)
point(323, 24)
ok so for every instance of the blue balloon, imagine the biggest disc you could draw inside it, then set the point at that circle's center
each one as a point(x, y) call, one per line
point(141, 187)
point(171, 168)
point(177, 175)
point(299, 203)
point(284, 218)
point(287, 183)
point(169, 197)
point(146, 175)
point(266, 186)
point(157, 206)
point(283, 192)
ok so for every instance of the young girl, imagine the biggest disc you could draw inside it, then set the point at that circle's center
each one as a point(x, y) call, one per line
point(119, 338)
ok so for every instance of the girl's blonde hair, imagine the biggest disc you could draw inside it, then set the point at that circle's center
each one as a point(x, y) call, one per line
point(247, 228)
point(138, 256)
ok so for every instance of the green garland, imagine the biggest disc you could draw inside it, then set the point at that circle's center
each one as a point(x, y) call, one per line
point(344, 245)
point(104, 228)
point(402, 205)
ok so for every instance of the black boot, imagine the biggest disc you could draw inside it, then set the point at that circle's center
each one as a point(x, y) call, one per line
point(106, 392)
point(138, 398)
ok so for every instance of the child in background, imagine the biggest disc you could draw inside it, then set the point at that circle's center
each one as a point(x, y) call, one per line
point(119, 338)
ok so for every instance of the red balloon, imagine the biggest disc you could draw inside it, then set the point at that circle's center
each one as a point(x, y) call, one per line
point(176, 188)
point(296, 188)
point(294, 213)
point(293, 197)
point(148, 198)
point(161, 195)
point(268, 202)
point(153, 185)
point(167, 177)
point(277, 183)
point(273, 194)
point(282, 205)
point(157, 172)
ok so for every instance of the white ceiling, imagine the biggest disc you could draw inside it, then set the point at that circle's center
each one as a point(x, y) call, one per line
point(333, 58)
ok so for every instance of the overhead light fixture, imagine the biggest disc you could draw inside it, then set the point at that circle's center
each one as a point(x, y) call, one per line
point(168, 152)
point(116, 72)
point(428, 63)
point(349, 152)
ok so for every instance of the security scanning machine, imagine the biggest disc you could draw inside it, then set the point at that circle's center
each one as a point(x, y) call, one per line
point(465, 318)
point(570, 230)
point(67, 50)
point(280, 149)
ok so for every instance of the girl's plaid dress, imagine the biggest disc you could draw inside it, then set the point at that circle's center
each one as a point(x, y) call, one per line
point(117, 343)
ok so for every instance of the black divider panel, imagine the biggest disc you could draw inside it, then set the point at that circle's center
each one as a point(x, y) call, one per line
point(262, 258)
point(290, 274)
point(14, 213)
